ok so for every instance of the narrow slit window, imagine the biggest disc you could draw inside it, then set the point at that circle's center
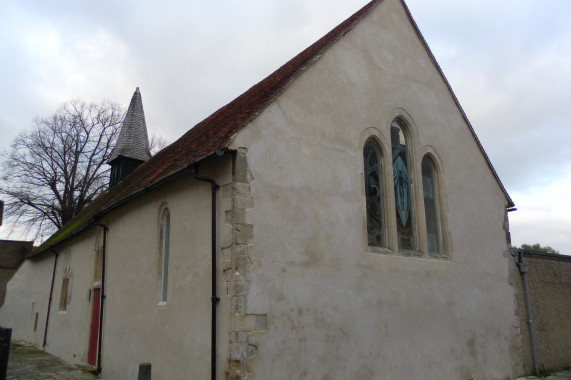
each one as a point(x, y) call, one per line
point(403, 187)
point(164, 252)
point(431, 211)
point(63, 301)
point(65, 295)
point(374, 194)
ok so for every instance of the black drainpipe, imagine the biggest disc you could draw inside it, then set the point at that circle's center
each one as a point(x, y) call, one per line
point(102, 298)
point(523, 269)
point(214, 298)
point(50, 300)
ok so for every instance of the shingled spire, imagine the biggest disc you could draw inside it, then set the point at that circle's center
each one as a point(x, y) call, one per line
point(132, 147)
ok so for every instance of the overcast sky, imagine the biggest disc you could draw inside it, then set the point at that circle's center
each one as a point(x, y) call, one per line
point(509, 64)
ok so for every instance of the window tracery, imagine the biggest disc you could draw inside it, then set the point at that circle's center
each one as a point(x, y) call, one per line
point(402, 187)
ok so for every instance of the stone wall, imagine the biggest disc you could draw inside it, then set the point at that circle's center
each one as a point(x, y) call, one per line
point(238, 199)
point(12, 254)
point(549, 286)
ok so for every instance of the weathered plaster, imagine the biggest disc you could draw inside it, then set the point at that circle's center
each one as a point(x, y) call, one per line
point(28, 293)
point(174, 335)
point(302, 296)
point(335, 309)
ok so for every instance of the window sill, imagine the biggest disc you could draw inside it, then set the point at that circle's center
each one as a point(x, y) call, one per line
point(381, 250)
point(438, 256)
point(407, 253)
point(162, 305)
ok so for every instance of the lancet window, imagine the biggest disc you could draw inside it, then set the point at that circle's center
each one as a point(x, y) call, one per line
point(431, 211)
point(402, 178)
point(374, 194)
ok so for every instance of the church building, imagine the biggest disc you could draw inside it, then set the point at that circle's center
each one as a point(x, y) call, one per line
point(338, 220)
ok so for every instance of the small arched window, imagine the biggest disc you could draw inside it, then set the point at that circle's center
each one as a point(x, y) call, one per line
point(403, 186)
point(431, 211)
point(374, 194)
point(164, 252)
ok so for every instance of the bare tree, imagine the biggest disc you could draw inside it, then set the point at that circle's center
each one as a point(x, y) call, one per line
point(54, 170)
point(157, 143)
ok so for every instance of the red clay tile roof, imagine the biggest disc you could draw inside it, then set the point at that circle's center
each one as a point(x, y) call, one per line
point(212, 134)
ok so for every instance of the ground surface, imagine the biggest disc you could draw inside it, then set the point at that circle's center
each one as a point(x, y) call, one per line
point(28, 363)
point(563, 375)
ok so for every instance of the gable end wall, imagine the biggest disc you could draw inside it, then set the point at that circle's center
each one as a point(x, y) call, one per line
point(335, 307)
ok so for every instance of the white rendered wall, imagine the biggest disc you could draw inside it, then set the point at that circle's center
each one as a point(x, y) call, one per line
point(337, 309)
point(26, 295)
point(173, 336)
point(28, 292)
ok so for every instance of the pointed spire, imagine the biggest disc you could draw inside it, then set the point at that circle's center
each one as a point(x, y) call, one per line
point(132, 146)
point(133, 141)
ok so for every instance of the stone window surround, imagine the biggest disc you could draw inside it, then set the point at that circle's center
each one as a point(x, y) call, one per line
point(381, 136)
point(163, 250)
point(237, 198)
point(67, 282)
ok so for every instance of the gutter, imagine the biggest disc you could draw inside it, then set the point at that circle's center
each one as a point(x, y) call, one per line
point(193, 166)
point(130, 197)
point(214, 298)
point(157, 183)
point(50, 299)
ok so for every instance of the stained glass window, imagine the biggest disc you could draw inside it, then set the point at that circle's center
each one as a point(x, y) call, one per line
point(403, 187)
point(429, 188)
point(374, 194)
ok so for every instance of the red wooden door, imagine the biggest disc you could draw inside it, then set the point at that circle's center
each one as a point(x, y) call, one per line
point(94, 334)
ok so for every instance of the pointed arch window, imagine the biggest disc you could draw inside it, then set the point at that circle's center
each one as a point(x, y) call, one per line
point(431, 211)
point(403, 187)
point(372, 158)
point(164, 252)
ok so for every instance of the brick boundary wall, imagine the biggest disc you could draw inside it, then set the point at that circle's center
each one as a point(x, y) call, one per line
point(549, 286)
